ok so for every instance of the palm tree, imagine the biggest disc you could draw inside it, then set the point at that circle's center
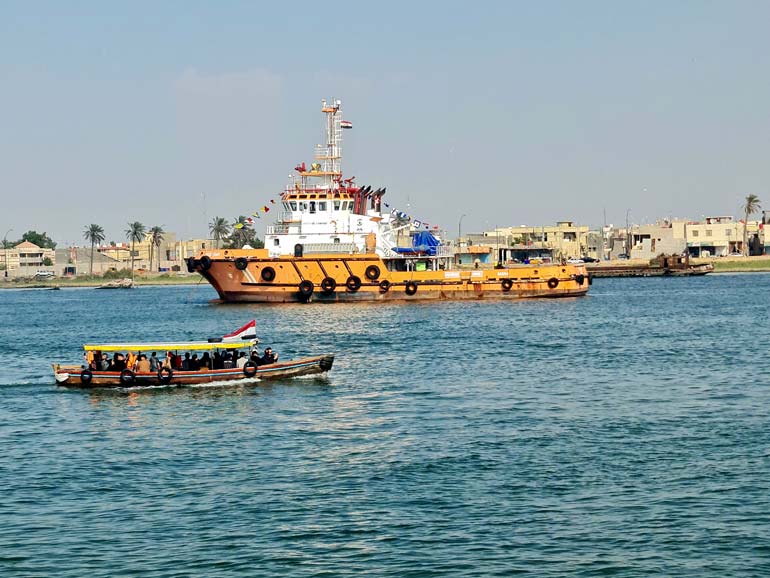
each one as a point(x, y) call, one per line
point(93, 234)
point(752, 205)
point(135, 233)
point(219, 228)
point(239, 236)
point(156, 238)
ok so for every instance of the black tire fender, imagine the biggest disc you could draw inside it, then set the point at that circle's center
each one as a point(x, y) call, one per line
point(165, 374)
point(580, 279)
point(306, 289)
point(384, 286)
point(328, 285)
point(353, 283)
point(127, 377)
point(191, 264)
point(86, 376)
point(250, 369)
point(553, 283)
point(268, 274)
point(372, 272)
point(411, 288)
point(506, 284)
point(241, 263)
point(205, 262)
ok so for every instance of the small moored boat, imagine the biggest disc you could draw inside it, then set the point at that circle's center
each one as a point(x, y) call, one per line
point(86, 376)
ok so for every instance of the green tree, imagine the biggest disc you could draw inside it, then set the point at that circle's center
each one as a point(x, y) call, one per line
point(243, 234)
point(750, 206)
point(40, 239)
point(156, 238)
point(135, 234)
point(219, 228)
point(93, 234)
point(47, 262)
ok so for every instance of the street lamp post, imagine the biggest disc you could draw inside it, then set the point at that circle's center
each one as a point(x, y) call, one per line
point(460, 228)
point(628, 232)
point(5, 251)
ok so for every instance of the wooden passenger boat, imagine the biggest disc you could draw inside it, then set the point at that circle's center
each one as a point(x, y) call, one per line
point(82, 376)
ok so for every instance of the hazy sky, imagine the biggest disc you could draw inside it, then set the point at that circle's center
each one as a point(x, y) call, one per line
point(508, 112)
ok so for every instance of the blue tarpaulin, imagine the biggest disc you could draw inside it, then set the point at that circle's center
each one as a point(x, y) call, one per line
point(422, 242)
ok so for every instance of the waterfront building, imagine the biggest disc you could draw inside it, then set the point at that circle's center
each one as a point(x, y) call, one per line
point(26, 259)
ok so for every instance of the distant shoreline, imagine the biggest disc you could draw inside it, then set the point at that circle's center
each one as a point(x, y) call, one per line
point(65, 283)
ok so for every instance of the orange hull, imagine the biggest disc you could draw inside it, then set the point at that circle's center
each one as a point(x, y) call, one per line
point(251, 276)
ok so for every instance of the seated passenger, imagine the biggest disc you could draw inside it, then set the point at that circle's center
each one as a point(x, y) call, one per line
point(218, 362)
point(205, 361)
point(154, 363)
point(242, 359)
point(269, 357)
point(186, 365)
point(195, 363)
point(228, 364)
point(104, 363)
point(143, 364)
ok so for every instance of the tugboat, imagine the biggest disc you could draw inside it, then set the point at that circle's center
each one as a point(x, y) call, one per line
point(333, 242)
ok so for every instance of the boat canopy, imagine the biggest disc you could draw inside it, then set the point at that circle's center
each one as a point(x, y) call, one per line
point(188, 346)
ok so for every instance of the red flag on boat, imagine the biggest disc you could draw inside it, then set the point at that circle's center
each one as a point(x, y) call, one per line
point(248, 331)
point(266, 209)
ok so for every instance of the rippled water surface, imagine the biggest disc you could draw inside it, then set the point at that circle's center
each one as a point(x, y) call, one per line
point(622, 434)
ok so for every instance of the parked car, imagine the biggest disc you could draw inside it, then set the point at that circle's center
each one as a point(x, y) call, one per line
point(622, 256)
point(574, 261)
point(44, 274)
point(735, 254)
point(589, 260)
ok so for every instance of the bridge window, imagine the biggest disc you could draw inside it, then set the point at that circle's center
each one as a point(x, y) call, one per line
point(336, 240)
point(276, 242)
point(312, 206)
point(336, 205)
point(321, 206)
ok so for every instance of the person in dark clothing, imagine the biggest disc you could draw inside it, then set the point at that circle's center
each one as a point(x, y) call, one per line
point(218, 362)
point(269, 357)
point(186, 365)
point(195, 363)
point(118, 363)
point(205, 361)
point(154, 363)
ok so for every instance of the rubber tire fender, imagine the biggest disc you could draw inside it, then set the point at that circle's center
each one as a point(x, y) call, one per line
point(328, 285)
point(267, 274)
point(205, 263)
point(384, 286)
point(191, 264)
point(411, 288)
point(127, 377)
point(580, 279)
point(241, 263)
point(590, 279)
point(165, 374)
point(86, 376)
point(372, 272)
point(250, 369)
point(353, 283)
point(305, 288)
point(506, 284)
point(553, 283)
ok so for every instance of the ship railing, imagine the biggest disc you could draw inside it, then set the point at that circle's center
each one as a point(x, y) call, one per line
point(329, 247)
point(445, 251)
point(278, 229)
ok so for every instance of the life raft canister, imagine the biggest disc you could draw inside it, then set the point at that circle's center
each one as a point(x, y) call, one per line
point(241, 263)
point(384, 286)
point(372, 272)
point(353, 283)
point(165, 374)
point(268, 274)
point(127, 377)
point(411, 288)
point(553, 283)
point(507, 284)
point(306, 289)
point(328, 285)
point(205, 262)
point(250, 369)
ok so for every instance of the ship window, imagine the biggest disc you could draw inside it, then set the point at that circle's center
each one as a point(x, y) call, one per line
point(312, 206)
point(336, 205)
point(276, 242)
point(321, 206)
point(303, 206)
point(336, 240)
point(293, 205)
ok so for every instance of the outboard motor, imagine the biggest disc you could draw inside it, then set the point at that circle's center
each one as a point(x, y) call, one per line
point(298, 249)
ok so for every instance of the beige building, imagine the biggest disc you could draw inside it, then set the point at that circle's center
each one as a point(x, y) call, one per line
point(561, 241)
point(26, 259)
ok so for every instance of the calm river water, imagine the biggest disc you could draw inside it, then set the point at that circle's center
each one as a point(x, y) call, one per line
point(622, 434)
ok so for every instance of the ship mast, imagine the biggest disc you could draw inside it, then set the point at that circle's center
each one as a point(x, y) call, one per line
point(330, 154)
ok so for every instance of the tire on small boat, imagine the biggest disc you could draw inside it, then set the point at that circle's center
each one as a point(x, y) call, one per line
point(86, 376)
point(506, 284)
point(268, 274)
point(205, 262)
point(580, 279)
point(384, 286)
point(127, 377)
point(241, 263)
point(353, 283)
point(411, 288)
point(372, 272)
point(165, 374)
point(250, 369)
point(328, 285)
point(553, 283)
point(191, 264)
point(590, 279)
point(306, 289)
